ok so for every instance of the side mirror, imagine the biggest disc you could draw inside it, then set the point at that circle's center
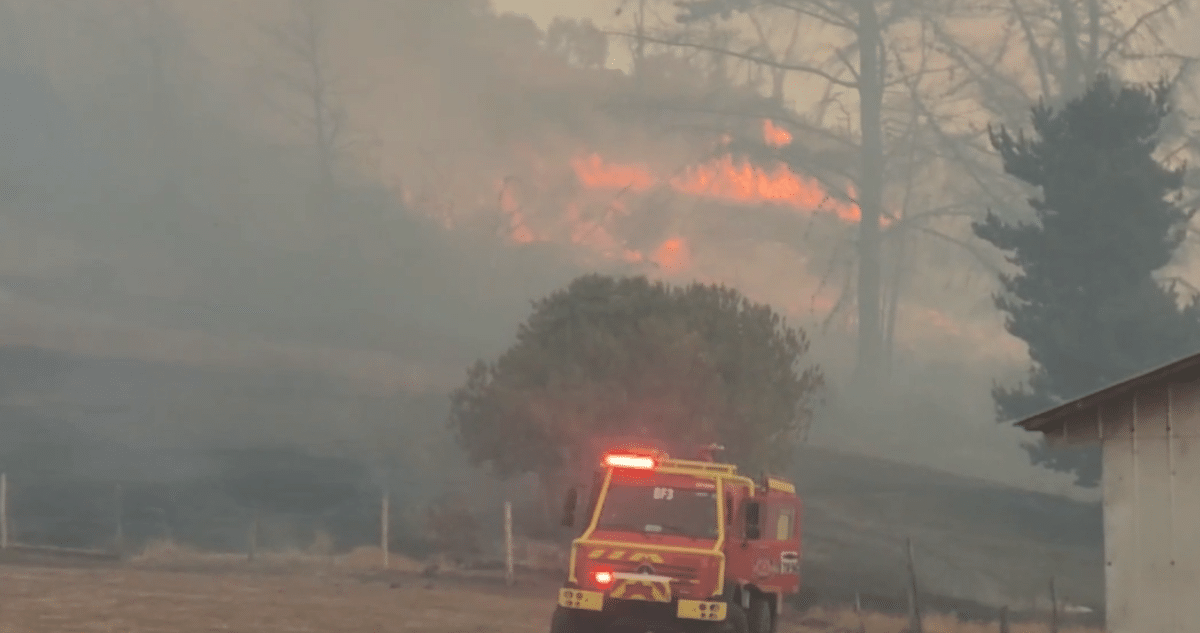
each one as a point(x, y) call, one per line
point(753, 530)
point(569, 503)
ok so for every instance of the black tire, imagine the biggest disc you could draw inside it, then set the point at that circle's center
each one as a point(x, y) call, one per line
point(735, 620)
point(761, 618)
point(567, 620)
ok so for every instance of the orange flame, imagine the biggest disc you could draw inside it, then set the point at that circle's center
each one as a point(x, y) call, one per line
point(595, 173)
point(673, 255)
point(745, 183)
point(775, 136)
point(741, 183)
point(738, 182)
point(723, 179)
point(593, 234)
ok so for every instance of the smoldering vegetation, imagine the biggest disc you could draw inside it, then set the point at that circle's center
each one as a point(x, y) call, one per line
point(232, 303)
point(164, 203)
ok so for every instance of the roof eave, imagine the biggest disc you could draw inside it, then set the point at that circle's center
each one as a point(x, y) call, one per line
point(1051, 420)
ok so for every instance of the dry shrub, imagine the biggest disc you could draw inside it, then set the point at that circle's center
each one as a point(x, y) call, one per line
point(371, 557)
point(453, 530)
point(163, 550)
point(847, 621)
point(166, 551)
point(542, 555)
point(322, 543)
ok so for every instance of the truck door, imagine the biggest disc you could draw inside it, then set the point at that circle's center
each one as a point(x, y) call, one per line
point(781, 536)
point(774, 557)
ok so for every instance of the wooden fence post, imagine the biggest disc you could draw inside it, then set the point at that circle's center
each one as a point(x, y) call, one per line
point(384, 526)
point(509, 572)
point(119, 517)
point(862, 623)
point(914, 602)
point(252, 539)
point(3, 510)
point(1053, 607)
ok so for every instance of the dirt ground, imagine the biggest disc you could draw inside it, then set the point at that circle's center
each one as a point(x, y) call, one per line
point(132, 599)
point(62, 600)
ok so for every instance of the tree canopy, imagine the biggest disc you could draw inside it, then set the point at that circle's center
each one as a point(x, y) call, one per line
point(1086, 299)
point(608, 356)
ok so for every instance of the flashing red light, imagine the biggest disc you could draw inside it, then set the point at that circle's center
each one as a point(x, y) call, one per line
point(629, 461)
point(603, 578)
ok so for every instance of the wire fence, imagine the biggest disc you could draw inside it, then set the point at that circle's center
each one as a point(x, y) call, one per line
point(897, 574)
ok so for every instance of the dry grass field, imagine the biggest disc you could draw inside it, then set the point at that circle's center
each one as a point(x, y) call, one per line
point(178, 592)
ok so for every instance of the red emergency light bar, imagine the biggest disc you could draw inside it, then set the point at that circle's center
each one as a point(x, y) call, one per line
point(628, 461)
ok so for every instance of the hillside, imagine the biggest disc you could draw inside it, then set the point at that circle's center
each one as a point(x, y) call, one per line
point(70, 423)
point(972, 539)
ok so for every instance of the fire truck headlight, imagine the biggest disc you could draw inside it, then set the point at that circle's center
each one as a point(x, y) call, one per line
point(603, 578)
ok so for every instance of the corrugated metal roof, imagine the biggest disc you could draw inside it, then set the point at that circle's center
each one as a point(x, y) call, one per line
point(1185, 369)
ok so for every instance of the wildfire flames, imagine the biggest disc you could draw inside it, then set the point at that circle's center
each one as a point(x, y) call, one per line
point(775, 136)
point(725, 179)
point(673, 255)
point(540, 208)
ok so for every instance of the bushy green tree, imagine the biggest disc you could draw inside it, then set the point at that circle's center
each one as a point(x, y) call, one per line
point(1085, 298)
point(609, 356)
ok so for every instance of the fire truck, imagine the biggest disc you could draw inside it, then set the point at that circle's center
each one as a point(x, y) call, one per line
point(679, 544)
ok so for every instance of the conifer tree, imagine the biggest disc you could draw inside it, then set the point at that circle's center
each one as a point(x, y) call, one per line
point(1085, 297)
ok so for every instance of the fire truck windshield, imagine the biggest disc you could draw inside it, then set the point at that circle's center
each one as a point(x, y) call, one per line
point(659, 510)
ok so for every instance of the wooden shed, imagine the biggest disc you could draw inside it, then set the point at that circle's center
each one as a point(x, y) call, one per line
point(1149, 427)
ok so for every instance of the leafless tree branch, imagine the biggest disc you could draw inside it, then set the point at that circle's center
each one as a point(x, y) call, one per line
point(757, 59)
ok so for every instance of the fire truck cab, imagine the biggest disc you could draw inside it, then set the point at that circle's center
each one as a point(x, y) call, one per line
point(679, 544)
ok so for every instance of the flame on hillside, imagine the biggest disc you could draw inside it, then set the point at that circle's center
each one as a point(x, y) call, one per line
point(775, 136)
point(747, 184)
point(586, 225)
point(723, 179)
point(596, 173)
point(673, 255)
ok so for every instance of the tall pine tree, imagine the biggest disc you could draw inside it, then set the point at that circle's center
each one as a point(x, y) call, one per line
point(1085, 299)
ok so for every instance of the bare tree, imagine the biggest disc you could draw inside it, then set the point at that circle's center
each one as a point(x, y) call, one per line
point(309, 89)
point(637, 47)
point(1052, 49)
point(907, 87)
point(578, 42)
point(856, 73)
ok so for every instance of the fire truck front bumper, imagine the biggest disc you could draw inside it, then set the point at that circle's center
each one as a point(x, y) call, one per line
point(704, 610)
point(581, 599)
point(700, 610)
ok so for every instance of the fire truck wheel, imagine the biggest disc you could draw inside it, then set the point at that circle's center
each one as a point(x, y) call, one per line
point(571, 621)
point(735, 620)
point(761, 620)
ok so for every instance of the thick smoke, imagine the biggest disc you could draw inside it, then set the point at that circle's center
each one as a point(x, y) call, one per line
point(164, 257)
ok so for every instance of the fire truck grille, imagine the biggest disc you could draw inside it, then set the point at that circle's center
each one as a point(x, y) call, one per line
point(683, 571)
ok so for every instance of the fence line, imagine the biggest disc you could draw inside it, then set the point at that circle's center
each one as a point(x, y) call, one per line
point(385, 524)
point(3, 510)
point(120, 507)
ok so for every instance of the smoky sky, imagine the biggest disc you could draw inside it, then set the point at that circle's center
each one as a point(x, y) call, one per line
point(157, 175)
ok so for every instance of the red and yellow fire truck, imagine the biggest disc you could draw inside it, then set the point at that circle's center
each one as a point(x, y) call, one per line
point(679, 544)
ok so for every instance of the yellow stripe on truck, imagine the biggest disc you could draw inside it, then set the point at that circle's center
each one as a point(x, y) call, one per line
point(647, 590)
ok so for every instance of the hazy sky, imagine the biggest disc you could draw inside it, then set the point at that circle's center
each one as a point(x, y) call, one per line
point(951, 341)
point(542, 11)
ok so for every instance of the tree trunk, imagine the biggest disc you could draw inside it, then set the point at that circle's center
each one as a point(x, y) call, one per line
point(870, 201)
point(639, 51)
point(778, 77)
point(893, 301)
